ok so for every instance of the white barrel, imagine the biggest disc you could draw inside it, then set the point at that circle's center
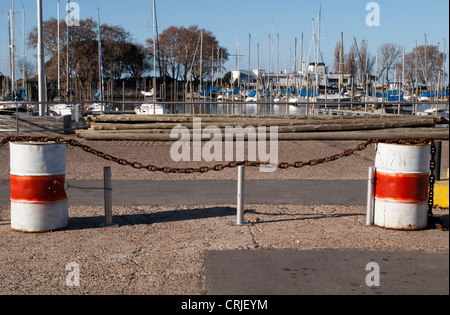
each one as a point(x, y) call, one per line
point(38, 158)
point(402, 159)
point(37, 177)
point(401, 192)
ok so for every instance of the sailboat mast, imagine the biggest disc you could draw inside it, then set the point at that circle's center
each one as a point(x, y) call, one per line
point(342, 63)
point(315, 57)
point(69, 57)
point(426, 63)
point(59, 59)
point(278, 59)
point(403, 69)
point(100, 62)
point(248, 78)
point(301, 63)
point(445, 61)
point(238, 60)
point(268, 68)
point(318, 36)
point(257, 67)
point(318, 52)
point(201, 64)
point(295, 55)
point(13, 48)
point(9, 52)
point(154, 54)
point(24, 82)
point(40, 54)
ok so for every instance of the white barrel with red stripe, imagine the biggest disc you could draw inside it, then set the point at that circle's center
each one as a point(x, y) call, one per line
point(37, 176)
point(402, 180)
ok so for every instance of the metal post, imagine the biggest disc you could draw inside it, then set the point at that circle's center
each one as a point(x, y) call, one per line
point(67, 124)
point(108, 195)
point(437, 160)
point(370, 196)
point(40, 54)
point(240, 198)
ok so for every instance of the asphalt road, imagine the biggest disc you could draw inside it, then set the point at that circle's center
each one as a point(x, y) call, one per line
point(213, 192)
point(335, 272)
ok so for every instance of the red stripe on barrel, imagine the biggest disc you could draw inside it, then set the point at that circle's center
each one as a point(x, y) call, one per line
point(37, 189)
point(402, 187)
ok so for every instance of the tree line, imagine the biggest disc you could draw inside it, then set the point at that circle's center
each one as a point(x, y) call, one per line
point(178, 53)
point(423, 65)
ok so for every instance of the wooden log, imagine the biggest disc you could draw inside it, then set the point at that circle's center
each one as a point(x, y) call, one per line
point(380, 123)
point(395, 133)
point(282, 129)
point(225, 118)
point(357, 126)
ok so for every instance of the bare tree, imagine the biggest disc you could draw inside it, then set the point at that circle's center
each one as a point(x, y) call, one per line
point(179, 45)
point(30, 67)
point(350, 64)
point(366, 62)
point(426, 70)
point(337, 58)
point(389, 55)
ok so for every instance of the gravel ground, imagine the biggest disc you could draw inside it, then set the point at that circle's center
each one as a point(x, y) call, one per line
point(159, 250)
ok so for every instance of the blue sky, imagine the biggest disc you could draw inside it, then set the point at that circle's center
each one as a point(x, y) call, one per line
point(401, 22)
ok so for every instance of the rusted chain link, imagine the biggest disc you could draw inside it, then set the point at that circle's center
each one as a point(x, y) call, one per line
point(136, 165)
point(205, 169)
point(432, 180)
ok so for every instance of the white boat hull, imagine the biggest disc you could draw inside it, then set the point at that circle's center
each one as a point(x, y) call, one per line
point(149, 109)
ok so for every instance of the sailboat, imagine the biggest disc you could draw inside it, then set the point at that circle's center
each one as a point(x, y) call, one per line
point(64, 109)
point(152, 107)
point(98, 108)
point(149, 108)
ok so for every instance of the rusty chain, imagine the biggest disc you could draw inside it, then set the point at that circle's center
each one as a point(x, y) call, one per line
point(124, 162)
point(432, 180)
point(204, 169)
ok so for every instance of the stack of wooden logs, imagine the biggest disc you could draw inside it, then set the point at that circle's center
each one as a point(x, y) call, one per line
point(290, 127)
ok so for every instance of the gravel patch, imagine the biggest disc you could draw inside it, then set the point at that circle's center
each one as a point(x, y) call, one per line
point(160, 250)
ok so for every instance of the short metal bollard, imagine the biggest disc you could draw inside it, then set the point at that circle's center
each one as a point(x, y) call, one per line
point(371, 183)
point(240, 198)
point(67, 124)
point(107, 195)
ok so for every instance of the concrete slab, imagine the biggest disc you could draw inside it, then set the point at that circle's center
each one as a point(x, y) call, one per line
point(213, 192)
point(336, 272)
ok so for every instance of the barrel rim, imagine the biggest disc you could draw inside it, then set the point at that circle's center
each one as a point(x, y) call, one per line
point(42, 210)
point(40, 203)
point(380, 219)
point(36, 143)
point(406, 228)
point(37, 232)
point(406, 144)
point(394, 201)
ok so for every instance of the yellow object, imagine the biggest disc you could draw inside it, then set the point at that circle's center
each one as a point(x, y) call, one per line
point(441, 193)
